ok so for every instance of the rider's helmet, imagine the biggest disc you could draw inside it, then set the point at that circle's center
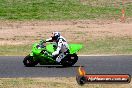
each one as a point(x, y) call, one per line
point(55, 35)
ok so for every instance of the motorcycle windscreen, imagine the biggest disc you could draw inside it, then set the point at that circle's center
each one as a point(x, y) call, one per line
point(74, 48)
point(35, 49)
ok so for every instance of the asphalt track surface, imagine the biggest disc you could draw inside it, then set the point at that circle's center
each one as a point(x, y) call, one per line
point(13, 67)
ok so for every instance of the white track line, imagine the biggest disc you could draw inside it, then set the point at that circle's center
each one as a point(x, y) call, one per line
point(108, 55)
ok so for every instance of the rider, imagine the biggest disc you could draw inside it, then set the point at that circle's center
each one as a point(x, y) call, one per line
point(62, 46)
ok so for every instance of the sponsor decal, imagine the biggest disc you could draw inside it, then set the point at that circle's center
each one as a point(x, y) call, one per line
point(83, 78)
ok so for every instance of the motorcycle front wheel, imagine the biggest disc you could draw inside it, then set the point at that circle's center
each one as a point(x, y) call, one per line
point(28, 62)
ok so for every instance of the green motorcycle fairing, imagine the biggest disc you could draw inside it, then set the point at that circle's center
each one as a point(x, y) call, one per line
point(74, 48)
point(46, 58)
point(37, 55)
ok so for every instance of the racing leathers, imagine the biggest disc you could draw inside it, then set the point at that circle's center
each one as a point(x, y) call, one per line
point(62, 48)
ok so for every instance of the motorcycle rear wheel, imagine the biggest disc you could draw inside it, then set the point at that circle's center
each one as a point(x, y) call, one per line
point(69, 60)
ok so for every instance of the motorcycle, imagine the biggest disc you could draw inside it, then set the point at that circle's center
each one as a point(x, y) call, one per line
point(42, 54)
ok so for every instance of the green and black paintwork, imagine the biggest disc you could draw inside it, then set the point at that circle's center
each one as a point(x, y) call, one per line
point(42, 55)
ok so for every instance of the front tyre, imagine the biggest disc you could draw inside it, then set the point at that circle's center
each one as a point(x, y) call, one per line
point(69, 60)
point(28, 61)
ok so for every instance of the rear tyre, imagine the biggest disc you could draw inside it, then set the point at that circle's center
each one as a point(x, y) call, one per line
point(28, 61)
point(69, 60)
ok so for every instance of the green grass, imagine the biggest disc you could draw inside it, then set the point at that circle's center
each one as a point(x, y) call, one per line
point(108, 45)
point(7, 50)
point(58, 10)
